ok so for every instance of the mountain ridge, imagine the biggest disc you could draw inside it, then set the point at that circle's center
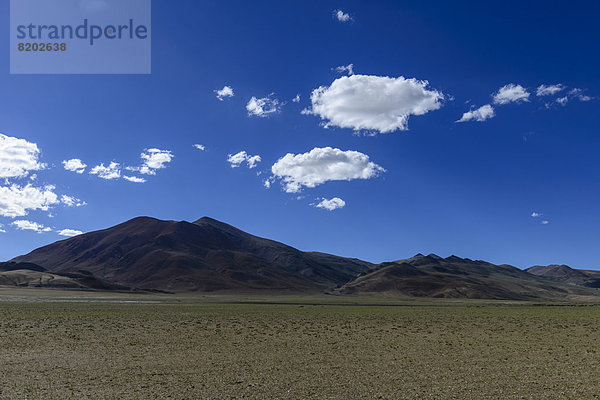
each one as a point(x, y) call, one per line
point(208, 255)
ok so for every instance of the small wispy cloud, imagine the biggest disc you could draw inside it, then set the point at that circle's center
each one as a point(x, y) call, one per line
point(549, 90)
point(342, 16)
point(330, 204)
point(263, 107)
point(573, 94)
point(510, 93)
point(235, 160)
point(112, 171)
point(75, 165)
point(227, 91)
point(134, 179)
point(71, 201)
point(154, 159)
point(342, 69)
point(480, 114)
point(200, 147)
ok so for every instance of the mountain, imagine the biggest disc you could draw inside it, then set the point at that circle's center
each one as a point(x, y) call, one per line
point(211, 256)
point(455, 277)
point(568, 275)
point(206, 255)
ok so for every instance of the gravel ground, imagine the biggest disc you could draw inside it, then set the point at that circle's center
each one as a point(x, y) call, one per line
point(196, 349)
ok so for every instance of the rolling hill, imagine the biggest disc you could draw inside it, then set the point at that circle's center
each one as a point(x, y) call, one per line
point(455, 277)
point(25, 274)
point(568, 275)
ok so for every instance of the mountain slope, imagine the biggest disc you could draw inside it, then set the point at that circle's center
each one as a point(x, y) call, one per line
point(206, 255)
point(454, 277)
point(566, 274)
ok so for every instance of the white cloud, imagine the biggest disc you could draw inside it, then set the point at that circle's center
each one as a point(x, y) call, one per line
point(321, 165)
point(296, 99)
point(578, 94)
point(331, 204)
point(154, 159)
point(263, 107)
point(510, 93)
point(18, 157)
point(253, 161)
point(72, 201)
point(480, 114)
point(237, 159)
point(69, 232)
point(134, 179)
point(25, 225)
point(342, 16)
point(267, 183)
point(227, 91)
point(545, 222)
point(562, 100)
point(113, 171)
point(575, 93)
point(549, 90)
point(74, 165)
point(374, 103)
point(345, 69)
point(17, 201)
point(200, 147)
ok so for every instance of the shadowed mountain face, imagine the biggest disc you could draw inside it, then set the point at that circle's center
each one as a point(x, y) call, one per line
point(454, 277)
point(568, 275)
point(206, 255)
point(14, 266)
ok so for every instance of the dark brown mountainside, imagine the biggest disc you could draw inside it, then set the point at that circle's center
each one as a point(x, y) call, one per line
point(206, 255)
point(454, 277)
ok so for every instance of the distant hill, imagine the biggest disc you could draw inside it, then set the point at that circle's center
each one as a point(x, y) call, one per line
point(206, 255)
point(211, 256)
point(13, 266)
point(25, 274)
point(568, 275)
point(455, 277)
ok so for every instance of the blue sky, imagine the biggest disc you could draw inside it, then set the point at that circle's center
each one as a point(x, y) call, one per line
point(410, 177)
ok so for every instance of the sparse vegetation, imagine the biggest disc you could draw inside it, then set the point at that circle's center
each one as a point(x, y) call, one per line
point(58, 345)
